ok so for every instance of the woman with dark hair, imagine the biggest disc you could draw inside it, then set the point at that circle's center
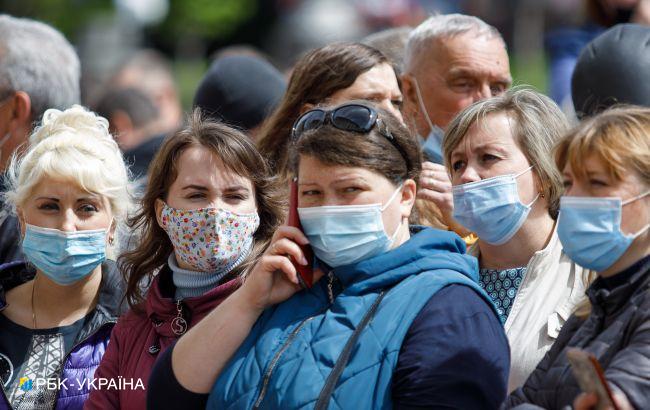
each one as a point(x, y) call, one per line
point(397, 318)
point(331, 74)
point(208, 213)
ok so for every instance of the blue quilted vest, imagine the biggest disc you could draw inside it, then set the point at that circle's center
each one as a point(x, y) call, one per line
point(284, 362)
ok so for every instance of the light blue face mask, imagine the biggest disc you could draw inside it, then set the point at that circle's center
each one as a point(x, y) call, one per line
point(342, 235)
point(491, 207)
point(64, 257)
point(432, 146)
point(590, 230)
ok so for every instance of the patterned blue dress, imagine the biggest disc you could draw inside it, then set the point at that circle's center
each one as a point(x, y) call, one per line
point(502, 287)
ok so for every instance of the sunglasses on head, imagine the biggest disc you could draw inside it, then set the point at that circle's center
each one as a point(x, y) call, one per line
point(352, 117)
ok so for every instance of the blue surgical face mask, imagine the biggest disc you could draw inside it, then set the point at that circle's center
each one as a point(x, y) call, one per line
point(491, 207)
point(432, 146)
point(590, 230)
point(342, 235)
point(64, 257)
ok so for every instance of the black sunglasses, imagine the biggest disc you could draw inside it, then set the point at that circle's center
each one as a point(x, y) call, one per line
point(353, 117)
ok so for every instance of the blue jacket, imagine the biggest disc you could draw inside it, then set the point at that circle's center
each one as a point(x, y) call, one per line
point(293, 346)
point(82, 361)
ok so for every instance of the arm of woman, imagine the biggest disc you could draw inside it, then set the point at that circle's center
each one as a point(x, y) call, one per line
point(455, 355)
point(201, 354)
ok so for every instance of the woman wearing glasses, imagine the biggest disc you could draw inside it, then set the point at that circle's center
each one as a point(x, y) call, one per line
point(604, 225)
point(396, 317)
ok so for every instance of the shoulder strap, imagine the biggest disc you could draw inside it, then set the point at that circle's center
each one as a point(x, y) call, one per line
point(334, 376)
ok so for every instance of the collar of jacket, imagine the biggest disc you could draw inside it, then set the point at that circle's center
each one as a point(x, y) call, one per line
point(427, 249)
point(606, 301)
point(109, 302)
point(161, 307)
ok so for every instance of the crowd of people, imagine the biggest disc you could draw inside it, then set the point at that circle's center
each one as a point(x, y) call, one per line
point(394, 226)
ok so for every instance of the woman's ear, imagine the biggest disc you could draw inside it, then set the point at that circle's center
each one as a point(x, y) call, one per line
point(407, 201)
point(111, 232)
point(159, 207)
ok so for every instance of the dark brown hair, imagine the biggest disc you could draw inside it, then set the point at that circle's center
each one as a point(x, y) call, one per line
point(238, 154)
point(372, 151)
point(316, 76)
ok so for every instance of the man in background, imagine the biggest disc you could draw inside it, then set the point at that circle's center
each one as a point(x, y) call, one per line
point(39, 69)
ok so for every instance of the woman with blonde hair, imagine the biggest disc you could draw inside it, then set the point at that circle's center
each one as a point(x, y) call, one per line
point(69, 192)
point(506, 189)
point(604, 225)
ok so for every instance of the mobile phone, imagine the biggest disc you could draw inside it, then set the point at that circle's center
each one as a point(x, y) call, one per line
point(305, 272)
point(590, 377)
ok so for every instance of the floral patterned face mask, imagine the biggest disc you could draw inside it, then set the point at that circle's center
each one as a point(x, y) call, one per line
point(210, 239)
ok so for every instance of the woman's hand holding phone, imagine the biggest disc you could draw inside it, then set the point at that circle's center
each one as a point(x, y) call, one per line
point(274, 278)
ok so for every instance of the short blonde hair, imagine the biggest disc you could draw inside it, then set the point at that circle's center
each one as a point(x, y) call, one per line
point(538, 125)
point(74, 145)
point(620, 137)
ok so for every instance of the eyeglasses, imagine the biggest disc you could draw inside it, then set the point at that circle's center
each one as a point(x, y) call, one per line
point(347, 117)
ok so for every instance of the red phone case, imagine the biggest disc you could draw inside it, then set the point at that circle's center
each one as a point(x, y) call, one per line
point(305, 273)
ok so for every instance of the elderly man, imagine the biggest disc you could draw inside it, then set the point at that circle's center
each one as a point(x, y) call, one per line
point(39, 69)
point(451, 62)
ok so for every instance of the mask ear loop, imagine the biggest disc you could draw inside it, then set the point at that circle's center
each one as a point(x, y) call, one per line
point(645, 228)
point(538, 194)
point(392, 197)
point(394, 235)
point(421, 103)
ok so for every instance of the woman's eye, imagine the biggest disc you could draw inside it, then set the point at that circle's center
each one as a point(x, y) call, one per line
point(49, 206)
point(567, 184)
point(196, 195)
point(489, 157)
point(597, 182)
point(311, 192)
point(88, 208)
point(456, 166)
point(397, 103)
point(236, 197)
point(351, 189)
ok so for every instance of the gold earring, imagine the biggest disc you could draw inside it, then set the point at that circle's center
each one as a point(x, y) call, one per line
point(111, 240)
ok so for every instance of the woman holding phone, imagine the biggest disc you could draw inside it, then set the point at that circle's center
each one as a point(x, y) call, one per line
point(273, 345)
point(604, 225)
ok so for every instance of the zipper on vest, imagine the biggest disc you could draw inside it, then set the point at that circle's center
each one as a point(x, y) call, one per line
point(292, 335)
point(276, 358)
point(330, 286)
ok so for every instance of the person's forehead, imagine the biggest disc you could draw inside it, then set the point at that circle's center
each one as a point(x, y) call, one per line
point(379, 78)
point(469, 53)
point(199, 165)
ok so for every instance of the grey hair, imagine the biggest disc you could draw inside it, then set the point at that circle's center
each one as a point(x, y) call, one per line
point(538, 124)
point(444, 26)
point(37, 59)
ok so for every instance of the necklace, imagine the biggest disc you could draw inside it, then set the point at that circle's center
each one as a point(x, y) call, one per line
point(33, 311)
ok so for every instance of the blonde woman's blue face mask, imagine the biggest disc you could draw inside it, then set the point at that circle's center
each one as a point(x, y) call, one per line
point(65, 229)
